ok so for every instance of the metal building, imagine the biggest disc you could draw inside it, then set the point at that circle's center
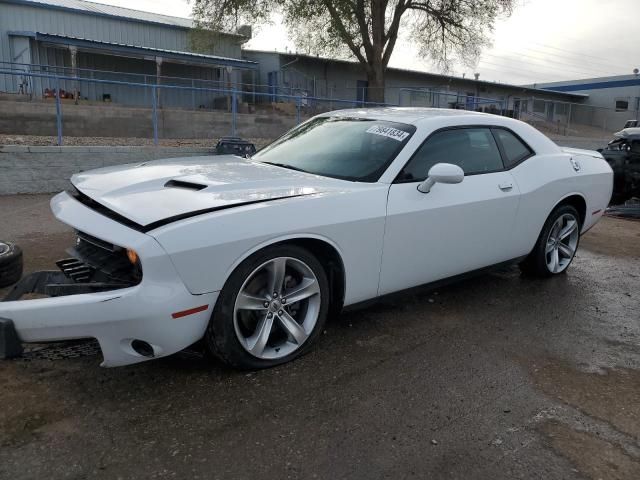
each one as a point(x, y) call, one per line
point(615, 99)
point(315, 76)
point(89, 40)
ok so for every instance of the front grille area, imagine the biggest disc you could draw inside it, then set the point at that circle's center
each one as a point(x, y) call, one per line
point(94, 260)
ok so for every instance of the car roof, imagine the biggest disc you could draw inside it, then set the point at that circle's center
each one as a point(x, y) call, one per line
point(410, 115)
point(434, 118)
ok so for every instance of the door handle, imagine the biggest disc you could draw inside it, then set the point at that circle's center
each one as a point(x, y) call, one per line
point(505, 187)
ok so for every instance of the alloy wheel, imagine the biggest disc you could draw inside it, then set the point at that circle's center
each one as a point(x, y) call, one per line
point(277, 308)
point(562, 242)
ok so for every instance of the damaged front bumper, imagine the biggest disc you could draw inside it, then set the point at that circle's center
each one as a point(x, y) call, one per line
point(132, 319)
point(48, 284)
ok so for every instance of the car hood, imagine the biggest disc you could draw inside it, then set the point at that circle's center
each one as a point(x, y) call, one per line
point(632, 133)
point(154, 193)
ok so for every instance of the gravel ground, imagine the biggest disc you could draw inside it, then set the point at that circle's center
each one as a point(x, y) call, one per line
point(496, 377)
point(34, 140)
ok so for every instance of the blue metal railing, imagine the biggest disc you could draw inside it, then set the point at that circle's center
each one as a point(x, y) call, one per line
point(293, 88)
point(300, 99)
point(92, 73)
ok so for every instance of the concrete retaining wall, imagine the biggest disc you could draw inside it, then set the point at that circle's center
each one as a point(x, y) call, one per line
point(25, 169)
point(48, 169)
point(39, 118)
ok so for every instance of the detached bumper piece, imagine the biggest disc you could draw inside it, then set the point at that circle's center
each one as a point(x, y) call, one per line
point(10, 346)
point(56, 284)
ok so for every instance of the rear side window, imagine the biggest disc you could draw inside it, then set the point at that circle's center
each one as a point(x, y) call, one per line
point(514, 149)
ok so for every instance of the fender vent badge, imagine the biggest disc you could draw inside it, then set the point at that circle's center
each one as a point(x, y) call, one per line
point(574, 163)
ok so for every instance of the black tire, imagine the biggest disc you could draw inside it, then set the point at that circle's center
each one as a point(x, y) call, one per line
point(11, 264)
point(220, 338)
point(536, 263)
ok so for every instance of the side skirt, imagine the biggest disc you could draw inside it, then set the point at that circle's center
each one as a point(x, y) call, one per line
point(433, 285)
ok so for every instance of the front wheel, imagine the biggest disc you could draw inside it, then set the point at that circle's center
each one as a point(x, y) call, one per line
point(556, 245)
point(271, 310)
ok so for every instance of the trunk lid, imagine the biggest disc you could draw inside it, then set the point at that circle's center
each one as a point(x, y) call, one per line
point(580, 151)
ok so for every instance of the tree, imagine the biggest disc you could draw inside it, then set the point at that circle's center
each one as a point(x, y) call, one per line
point(444, 30)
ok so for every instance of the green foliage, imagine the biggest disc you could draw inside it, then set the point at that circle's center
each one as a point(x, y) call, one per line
point(203, 40)
point(227, 15)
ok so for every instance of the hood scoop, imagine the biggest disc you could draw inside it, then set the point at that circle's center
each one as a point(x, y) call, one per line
point(185, 185)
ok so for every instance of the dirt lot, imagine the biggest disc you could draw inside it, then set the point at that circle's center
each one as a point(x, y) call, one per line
point(496, 377)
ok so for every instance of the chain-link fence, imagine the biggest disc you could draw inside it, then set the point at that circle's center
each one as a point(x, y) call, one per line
point(573, 119)
point(59, 102)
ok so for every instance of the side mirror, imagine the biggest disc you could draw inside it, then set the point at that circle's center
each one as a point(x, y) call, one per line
point(441, 173)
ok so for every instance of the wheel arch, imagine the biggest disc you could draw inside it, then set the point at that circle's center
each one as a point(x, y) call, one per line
point(577, 201)
point(324, 249)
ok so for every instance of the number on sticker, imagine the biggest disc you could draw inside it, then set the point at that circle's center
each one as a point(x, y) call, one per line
point(389, 132)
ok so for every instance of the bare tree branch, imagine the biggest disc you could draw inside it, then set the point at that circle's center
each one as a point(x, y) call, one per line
point(368, 30)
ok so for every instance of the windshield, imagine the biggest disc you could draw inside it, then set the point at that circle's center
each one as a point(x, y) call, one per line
point(347, 148)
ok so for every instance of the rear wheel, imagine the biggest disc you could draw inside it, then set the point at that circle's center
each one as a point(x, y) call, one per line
point(556, 245)
point(271, 310)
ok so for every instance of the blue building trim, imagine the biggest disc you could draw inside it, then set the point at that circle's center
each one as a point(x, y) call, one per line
point(124, 49)
point(595, 85)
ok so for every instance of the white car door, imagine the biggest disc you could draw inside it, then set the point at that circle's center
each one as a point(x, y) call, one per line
point(455, 228)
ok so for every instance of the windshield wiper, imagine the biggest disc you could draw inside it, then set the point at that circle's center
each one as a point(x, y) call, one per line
point(284, 165)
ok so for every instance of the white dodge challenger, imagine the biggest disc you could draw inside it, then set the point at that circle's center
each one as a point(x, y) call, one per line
point(251, 255)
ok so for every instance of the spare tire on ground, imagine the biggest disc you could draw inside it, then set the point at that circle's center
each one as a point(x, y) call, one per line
point(10, 263)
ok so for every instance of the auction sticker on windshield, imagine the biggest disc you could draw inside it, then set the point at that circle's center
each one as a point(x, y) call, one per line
point(390, 132)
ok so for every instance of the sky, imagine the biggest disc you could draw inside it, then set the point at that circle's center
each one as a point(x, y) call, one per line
point(542, 41)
